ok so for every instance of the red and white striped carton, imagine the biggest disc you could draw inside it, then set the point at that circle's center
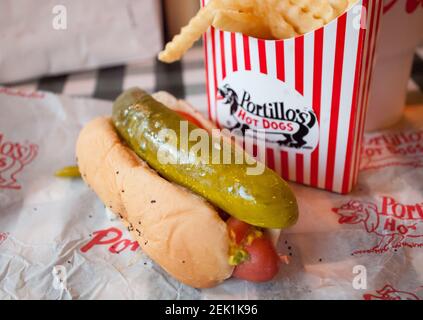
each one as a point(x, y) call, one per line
point(309, 93)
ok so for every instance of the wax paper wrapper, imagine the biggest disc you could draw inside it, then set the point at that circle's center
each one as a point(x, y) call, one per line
point(57, 241)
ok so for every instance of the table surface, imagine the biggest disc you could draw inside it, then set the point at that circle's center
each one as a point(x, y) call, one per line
point(184, 79)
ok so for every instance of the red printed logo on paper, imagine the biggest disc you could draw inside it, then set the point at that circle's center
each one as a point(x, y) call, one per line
point(410, 5)
point(394, 224)
point(397, 149)
point(388, 292)
point(22, 93)
point(14, 156)
point(3, 237)
point(280, 113)
point(112, 239)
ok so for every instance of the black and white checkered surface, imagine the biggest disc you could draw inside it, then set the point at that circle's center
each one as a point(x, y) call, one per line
point(184, 79)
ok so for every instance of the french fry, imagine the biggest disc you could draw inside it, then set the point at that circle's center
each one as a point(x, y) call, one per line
point(198, 25)
point(351, 3)
point(278, 26)
point(266, 19)
point(320, 9)
point(302, 21)
point(189, 34)
point(246, 23)
point(240, 5)
point(281, 29)
point(339, 6)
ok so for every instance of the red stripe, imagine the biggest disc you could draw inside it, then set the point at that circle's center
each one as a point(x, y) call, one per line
point(299, 168)
point(284, 165)
point(280, 54)
point(270, 158)
point(372, 59)
point(317, 99)
point(234, 53)
point(207, 76)
point(353, 118)
point(369, 72)
point(222, 54)
point(365, 94)
point(247, 58)
point(299, 86)
point(362, 114)
point(207, 70)
point(280, 67)
point(336, 97)
point(299, 64)
point(255, 153)
point(213, 39)
point(360, 97)
point(262, 56)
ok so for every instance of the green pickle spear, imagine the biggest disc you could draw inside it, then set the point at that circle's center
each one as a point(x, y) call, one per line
point(263, 200)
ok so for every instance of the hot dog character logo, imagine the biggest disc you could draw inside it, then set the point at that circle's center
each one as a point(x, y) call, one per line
point(283, 115)
point(3, 237)
point(14, 157)
point(388, 292)
point(394, 224)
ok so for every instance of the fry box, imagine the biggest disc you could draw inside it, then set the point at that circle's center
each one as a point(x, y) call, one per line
point(309, 94)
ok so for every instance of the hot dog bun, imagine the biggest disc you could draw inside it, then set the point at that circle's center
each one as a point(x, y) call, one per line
point(177, 229)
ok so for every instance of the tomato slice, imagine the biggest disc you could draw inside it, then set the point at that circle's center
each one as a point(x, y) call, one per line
point(190, 118)
point(263, 263)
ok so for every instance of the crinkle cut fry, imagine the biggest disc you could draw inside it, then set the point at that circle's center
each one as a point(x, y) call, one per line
point(175, 49)
point(302, 21)
point(320, 9)
point(339, 6)
point(242, 22)
point(279, 27)
point(283, 18)
point(198, 25)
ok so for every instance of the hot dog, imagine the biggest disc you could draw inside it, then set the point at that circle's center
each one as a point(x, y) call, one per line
point(168, 209)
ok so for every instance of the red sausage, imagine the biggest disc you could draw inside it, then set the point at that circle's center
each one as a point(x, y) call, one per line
point(263, 262)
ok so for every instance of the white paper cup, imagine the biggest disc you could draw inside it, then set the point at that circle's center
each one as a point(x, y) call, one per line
point(400, 33)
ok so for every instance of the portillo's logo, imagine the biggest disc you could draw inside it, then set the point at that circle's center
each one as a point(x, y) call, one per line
point(284, 124)
point(392, 149)
point(112, 238)
point(392, 223)
point(389, 292)
point(3, 237)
